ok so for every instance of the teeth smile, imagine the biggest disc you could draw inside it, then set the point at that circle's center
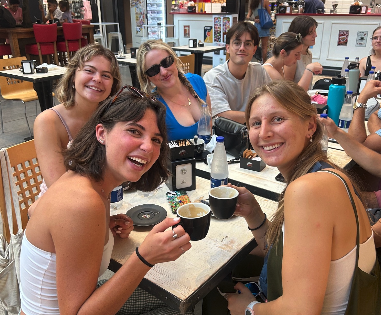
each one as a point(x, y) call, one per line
point(94, 88)
point(140, 161)
point(271, 147)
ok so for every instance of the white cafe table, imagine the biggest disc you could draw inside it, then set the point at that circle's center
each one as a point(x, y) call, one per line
point(184, 282)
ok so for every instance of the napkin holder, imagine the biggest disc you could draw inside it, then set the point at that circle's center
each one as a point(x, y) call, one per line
point(192, 43)
point(255, 164)
point(183, 174)
point(181, 149)
point(28, 66)
point(133, 51)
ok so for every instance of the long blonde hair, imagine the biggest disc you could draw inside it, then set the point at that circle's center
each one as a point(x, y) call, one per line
point(294, 99)
point(145, 84)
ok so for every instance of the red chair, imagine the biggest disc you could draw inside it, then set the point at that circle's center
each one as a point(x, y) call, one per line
point(5, 49)
point(73, 38)
point(46, 38)
point(87, 22)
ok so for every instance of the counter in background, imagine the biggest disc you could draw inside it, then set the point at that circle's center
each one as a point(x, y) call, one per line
point(326, 49)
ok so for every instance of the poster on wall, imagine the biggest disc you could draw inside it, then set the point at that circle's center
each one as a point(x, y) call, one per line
point(217, 29)
point(225, 27)
point(362, 37)
point(208, 38)
point(186, 31)
point(343, 38)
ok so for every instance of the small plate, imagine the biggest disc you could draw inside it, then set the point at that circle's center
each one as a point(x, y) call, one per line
point(146, 215)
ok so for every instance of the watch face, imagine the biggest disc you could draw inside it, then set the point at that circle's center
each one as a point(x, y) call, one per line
point(249, 312)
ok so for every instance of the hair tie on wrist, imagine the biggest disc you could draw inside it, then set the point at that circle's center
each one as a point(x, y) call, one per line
point(142, 259)
point(258, 227)
point(309, 70)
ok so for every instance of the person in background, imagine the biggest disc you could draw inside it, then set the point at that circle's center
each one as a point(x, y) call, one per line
point(286, 52)
point(14, 8)
point(306, 26)
point(53, 12)
point(311, 6)
point(160, 74)
point(264, 34)
point(374, 59)
point(231, 84)
point(66, 13)
point(312, 236)
point(67, 244)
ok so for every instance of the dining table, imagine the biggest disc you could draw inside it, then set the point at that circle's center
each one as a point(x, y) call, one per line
point(13, 35)
point(182, 283)
point(42, 83)
point(199, 54)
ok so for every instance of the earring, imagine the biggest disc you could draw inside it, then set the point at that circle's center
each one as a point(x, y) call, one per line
point(311, 139)
point(73, 86)
point(101, 141)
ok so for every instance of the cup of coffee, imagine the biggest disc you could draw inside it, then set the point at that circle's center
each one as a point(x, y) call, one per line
point(195, 219)
point(222, 201)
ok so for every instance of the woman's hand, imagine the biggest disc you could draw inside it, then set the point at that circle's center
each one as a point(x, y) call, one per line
point(247, 205)
point(163, 244)
point(330, 126)
point(237, 303)
point(315, 67)
point(121, 224)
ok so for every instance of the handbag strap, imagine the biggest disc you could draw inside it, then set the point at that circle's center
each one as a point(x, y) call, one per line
point(10, 192)
point(354, 210)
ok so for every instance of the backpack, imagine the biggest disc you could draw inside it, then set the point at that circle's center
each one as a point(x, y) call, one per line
point(322, 84)
point(6, 18)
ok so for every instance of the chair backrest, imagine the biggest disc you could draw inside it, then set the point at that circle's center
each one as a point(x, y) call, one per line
point(45, 33)
point(10, 85)
point(27, 175)
point(188, 63)
point(87, 22)
point(3, 210)
point(72, 31)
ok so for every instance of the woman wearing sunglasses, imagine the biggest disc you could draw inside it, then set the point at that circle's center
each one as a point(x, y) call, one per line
point(286, 52)
point(67, 243)
point(160, 74)
point(374, 59)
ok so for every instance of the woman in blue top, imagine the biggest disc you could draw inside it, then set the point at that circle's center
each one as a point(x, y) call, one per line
point(160, 73)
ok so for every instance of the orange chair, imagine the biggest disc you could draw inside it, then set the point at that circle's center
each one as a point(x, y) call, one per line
point(46, 38)
point(73, 38)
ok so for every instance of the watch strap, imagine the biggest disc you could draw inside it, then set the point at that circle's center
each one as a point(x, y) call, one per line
point(249, 308)
point(359, 105)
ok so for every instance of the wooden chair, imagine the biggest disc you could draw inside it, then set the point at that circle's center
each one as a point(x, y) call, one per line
point(188, 63)
point(15, 89)
point(227, 56)
point(27, 175)
point(46, 38)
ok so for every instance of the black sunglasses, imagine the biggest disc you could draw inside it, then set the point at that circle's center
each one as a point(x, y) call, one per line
point(165, 63)
point(135, 91)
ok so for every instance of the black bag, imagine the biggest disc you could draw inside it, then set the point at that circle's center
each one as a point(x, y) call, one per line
point(322, 84)
point(235, 134)
point(6, 18)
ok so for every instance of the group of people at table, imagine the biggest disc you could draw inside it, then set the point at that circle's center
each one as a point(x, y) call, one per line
point(102, 135)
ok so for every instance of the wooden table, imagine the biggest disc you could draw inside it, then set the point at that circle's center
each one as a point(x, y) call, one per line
point(199, 54)
point(42, 83)
point(131, 63)
point(14, 34)
point(264, 183)
point(184, 282)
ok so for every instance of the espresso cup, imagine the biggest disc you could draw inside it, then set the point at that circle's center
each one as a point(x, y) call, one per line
point(222, 201)
point(195, 219)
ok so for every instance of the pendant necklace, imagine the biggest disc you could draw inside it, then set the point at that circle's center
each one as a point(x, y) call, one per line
point(189, 102)
point(104, 193)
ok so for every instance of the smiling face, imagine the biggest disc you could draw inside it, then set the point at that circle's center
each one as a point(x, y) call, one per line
point(167, 77)
point(277, 135)
point(309, 39)
point(131, 147)
point(293, 56)
point(14, 7)
point(241, 49)
point(93, 82)
point(376, 43)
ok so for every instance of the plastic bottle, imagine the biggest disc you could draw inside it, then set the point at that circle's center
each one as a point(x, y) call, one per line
point(219, 171)
point(370, 75)
point(345, 66)
point(354, 80)
point(116, 199)
point(346, 76)
point(324, 138)
point(346, 113)
point(336, 94)
point(204, 127)
point(357, 59)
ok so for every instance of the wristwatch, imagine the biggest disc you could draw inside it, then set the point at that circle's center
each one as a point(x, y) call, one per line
point(249, 308)
point(358, 105)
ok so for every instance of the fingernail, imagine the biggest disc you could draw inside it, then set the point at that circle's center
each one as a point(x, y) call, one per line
point(118, 232)
point(176, 219)
point(126, 223)
point(119, 228)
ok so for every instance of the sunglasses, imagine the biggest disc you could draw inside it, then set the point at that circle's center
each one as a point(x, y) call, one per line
point(165, 63)
point(135, 91)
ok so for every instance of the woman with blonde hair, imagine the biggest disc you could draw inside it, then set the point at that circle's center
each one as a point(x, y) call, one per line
point(160, 74)
point(311, 241)
point(374, 59)
point(286, 52)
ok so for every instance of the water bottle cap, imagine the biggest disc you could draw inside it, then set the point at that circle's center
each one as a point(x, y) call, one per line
point(373, 67)
point(346, 70)
point(323, 115)
point(220, 139)
point(371, 72)
point(349, 92)
point(339, 80)
point(346, 57)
